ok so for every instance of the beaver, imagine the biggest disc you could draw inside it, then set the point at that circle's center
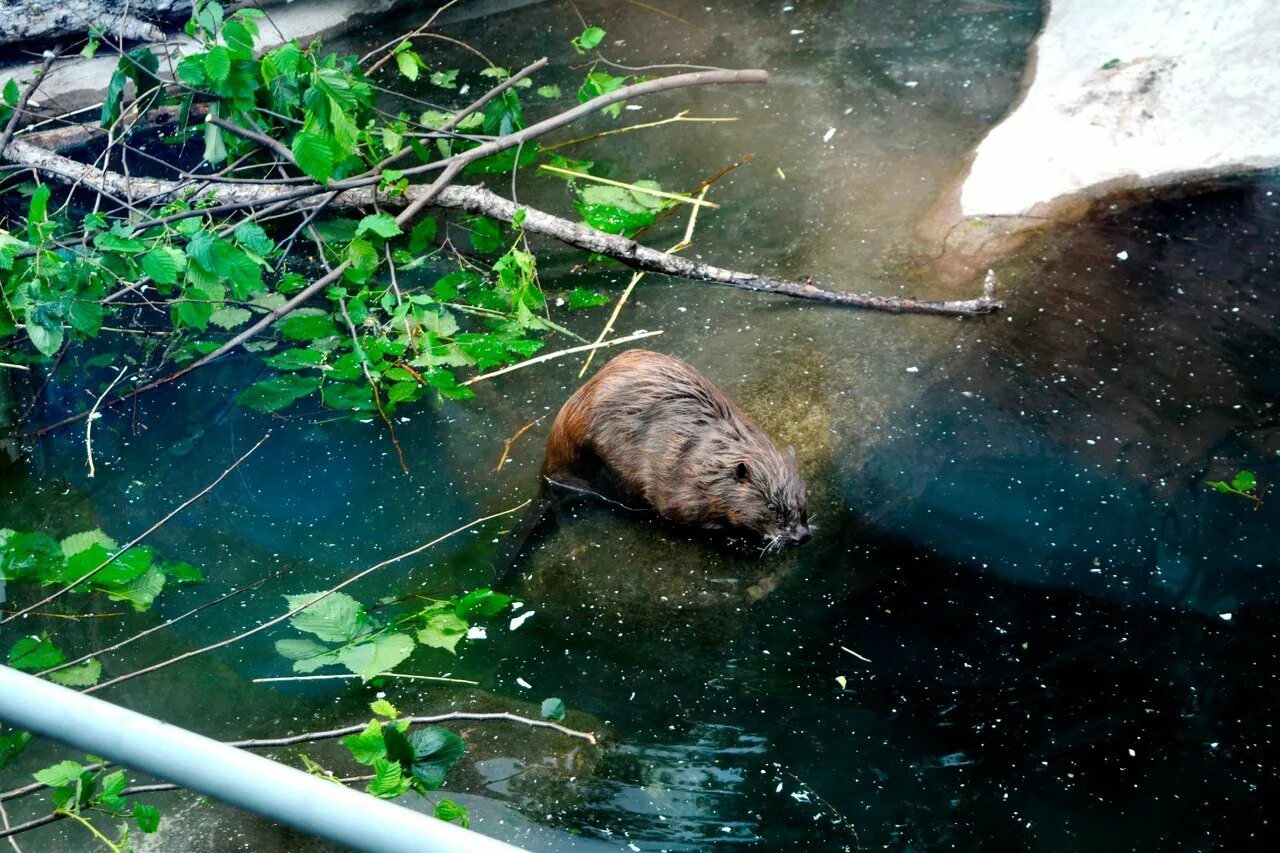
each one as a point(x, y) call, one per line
point(653, 429)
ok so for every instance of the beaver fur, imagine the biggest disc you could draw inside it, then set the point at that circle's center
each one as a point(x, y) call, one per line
point(653, 429)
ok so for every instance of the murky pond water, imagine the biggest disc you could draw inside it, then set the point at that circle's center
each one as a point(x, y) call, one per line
point(1062, 637)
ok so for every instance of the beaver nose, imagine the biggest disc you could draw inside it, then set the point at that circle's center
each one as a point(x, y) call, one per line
point(800, 535)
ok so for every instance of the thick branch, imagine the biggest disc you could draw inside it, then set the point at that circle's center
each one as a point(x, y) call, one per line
point(478, 200)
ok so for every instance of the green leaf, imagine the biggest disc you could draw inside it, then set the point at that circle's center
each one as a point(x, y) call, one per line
point(182, 573)
point(47, 338)
point(217, 63)
point(11, 746)
point(443, 631)
point(450, 812)
point(296, 359)
point(445, 79)
point(408, 63)
point(336, 618)
point(110, 242)
point(61, 774)
point(383, 708)
point(553, 709)
point(307, 324)
point(163, 264)
point(486, 234)
point(580, 298)
point(364, 260)
point(32, 654)
point(482, 602)
point(84, 674)
point(254, 238)
point(272, 395)
point(215, 147)
point(599, 83)
point(307, 655)
point(368, 746)
point(229, 317)
point(239, 39)
point(85, 316)
point(147, 817)
point(435, 751)
point(422, 235)
point(1218, 485)
point(77, 542)
point(1244, 481)
point(374, 658)
point(140, 592)
point(11, 93)
point(388, 781)
point(111, 101)
point(548, 91)
point(589, 40)
point(382, 224)
point(314, 155)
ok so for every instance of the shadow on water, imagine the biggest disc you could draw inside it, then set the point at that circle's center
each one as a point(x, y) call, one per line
point(1023, 623)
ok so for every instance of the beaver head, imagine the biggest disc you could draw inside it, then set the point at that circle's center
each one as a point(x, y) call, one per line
point(763, 492)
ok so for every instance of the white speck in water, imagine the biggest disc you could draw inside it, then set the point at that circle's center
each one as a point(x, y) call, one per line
point(797, 32)
point(1225, 617)
point(559, 301)
point(911, 84)
point(521, 619)
point(830, 133)
point(466, 87)
point(913, 370)
point(527, 686)
point(516, 605)
point(1123, 256)
point(682, 309)
point(1132, 753)
point(477, 632)
point(633, 107)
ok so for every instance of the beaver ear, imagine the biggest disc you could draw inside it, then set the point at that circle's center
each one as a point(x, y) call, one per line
point(741, 471)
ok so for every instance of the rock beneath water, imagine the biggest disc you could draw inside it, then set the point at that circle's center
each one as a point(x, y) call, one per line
point(1119, 98)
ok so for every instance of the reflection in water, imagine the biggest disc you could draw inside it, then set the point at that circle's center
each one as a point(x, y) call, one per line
point(1012, 525)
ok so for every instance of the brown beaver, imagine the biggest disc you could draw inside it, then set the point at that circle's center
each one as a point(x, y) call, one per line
point(655, 430)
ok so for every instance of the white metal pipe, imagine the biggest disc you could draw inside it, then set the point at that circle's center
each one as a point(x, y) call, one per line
point(280, 793)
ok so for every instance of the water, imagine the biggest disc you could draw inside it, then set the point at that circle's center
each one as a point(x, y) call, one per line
point(1062, 637)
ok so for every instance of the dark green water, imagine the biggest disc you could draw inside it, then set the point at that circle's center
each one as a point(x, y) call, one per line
point(1071, 641)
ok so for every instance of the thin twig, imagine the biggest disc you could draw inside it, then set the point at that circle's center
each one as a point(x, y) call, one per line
point(635, 279)
point(166, 624)
point(295, 611)
point(88, 575)
point(560, 354)
point(506, 445)
point(348, 676)
point(632, 187)
point(20, 107)
point(93, 414)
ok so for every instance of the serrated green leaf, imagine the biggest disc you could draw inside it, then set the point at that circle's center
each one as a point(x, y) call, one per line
point(59, 775)
point(368, 746)
point(77, 542)
point(443, 631)
point(314, 155)
point(435, 751)
point(373, 658)
point(482, 603)
point(382, 224)
point(140, 592)
point(84, 674)
point(336, 618)
point(589, 39)
point(307, 324)
point(383, 708)
point(548, 91)
point(272, 395)
point(163, 263)
point(217, 64)
point(229, 317)
point(388, 781)
point(553, 709)
point(408, 63)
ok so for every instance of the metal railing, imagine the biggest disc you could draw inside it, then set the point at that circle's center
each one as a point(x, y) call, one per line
point(234, 776)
